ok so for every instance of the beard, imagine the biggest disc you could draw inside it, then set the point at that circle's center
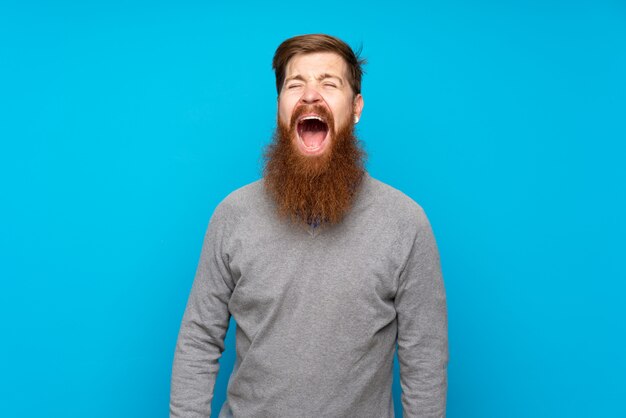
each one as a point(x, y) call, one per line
point(318, 189)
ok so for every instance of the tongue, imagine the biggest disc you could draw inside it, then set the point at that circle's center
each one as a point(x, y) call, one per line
point(313, 138)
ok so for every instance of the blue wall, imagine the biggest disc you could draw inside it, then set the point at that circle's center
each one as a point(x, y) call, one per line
point(122, 125)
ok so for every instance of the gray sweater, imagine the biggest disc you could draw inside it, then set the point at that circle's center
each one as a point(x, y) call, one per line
point(318, 312)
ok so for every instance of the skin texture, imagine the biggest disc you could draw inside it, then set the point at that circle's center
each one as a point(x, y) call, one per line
point(318, 79)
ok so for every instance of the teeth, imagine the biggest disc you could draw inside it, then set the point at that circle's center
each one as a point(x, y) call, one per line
point(312, 117)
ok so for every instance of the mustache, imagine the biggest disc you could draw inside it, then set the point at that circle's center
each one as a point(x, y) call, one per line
point(317, 109)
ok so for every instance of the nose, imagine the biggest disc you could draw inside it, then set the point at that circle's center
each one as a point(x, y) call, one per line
point(310, 96)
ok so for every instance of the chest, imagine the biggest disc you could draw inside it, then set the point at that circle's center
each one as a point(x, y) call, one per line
point(339, 274)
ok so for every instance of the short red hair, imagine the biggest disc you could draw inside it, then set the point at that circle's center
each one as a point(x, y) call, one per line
point(308, 44)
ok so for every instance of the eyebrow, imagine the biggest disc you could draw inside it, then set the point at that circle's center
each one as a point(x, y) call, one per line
point(326, 75)
point(295, 77)
point(319, 78)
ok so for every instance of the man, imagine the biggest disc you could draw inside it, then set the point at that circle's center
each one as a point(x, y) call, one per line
point(323, 268)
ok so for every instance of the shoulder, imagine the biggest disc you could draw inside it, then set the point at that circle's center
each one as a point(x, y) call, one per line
point(407, 219)
point(394, 203)
point(240, 202)
point(244, 196)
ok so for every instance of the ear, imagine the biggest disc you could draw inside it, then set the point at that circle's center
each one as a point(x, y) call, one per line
point(358, 107)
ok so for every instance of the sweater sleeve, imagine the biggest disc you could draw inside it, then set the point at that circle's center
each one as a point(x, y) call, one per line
point(422, 328)
point(203, 329)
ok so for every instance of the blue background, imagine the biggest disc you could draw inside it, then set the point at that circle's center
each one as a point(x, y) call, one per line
point(123, 124)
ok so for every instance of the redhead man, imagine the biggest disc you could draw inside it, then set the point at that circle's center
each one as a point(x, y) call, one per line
point(325, 269)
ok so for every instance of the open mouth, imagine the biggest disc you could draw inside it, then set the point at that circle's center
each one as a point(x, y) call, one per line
point(312, 133)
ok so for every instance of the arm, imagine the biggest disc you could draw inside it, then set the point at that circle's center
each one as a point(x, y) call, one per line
point(422, 328)
point(204, 325)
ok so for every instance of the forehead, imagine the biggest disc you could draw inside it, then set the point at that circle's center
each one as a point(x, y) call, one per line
point(317, 63)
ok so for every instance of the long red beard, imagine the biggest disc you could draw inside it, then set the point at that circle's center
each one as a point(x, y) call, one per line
point(314, 189)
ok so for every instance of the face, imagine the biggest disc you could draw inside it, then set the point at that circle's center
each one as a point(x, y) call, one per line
point(317, 101)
